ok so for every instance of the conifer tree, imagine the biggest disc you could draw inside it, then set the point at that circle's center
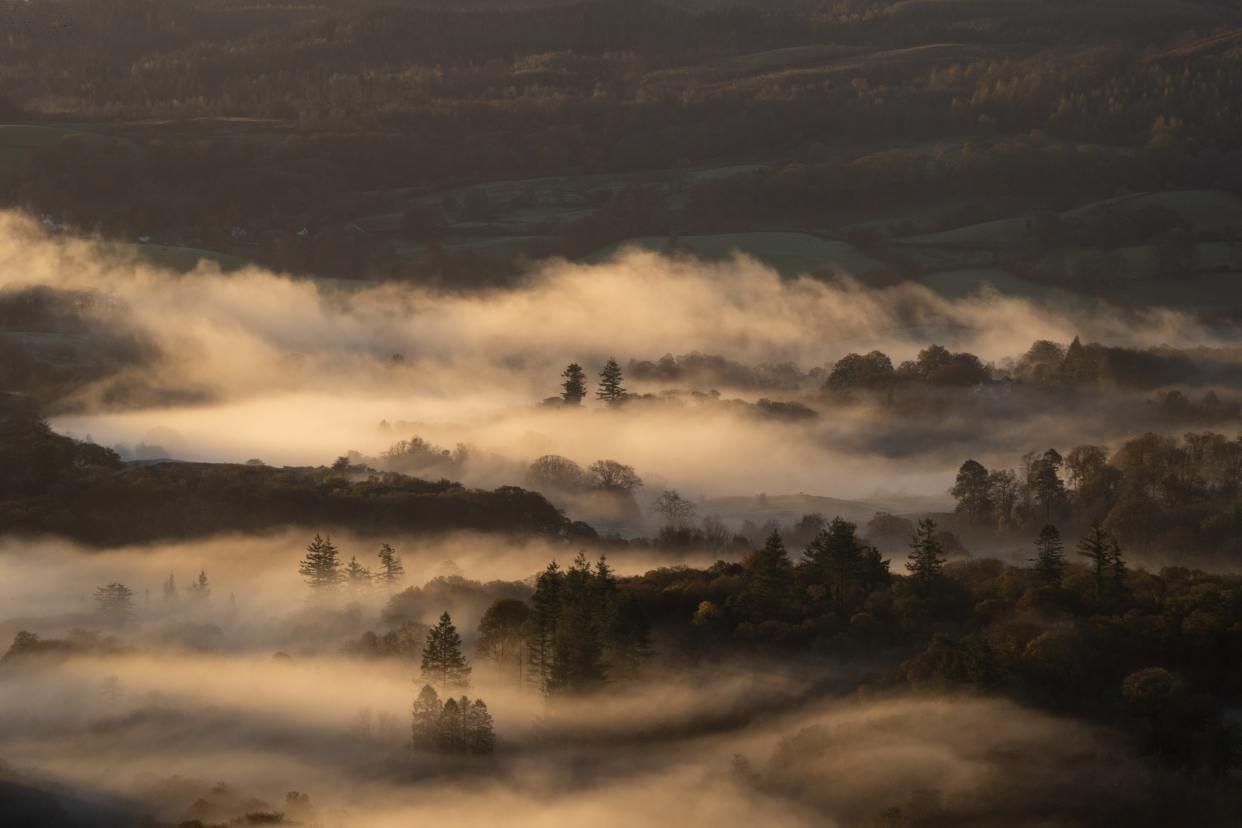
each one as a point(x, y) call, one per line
point(357, 575)
point(610, 389)
point(200, 589)
point(1049, 561)
point(926, 562)
point(321, 567)
point(835, 559)
point(170, 588)
point(391, 571)
point(573, 389)
point(1107, 568)
point(426, 718)
point(542, 624)
point(443, 661)
point(451, 728)
point(480, 730)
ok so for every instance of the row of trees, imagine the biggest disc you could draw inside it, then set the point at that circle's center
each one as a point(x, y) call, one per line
point(1152, 492)
point(610, 390)
point(452, 726)
point(581, 631)
point(322, 568)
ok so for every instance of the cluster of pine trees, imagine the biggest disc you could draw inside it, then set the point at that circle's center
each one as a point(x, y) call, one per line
point(581, 631)
point(610, 389)
point(321, 567)
point(452, 726)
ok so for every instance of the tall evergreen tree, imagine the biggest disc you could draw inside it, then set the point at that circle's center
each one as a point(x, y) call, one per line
point(357, 575)
point(443, 661)
point(200, 588)
point(610, 389)
point(321, 566)
point(480, 731)
point(577, 661)
point(769, 581)
point(542, 625)
point(426, 718)
point(834, 559)
point(170, 588)
point(1107, 568)
point(926, 562)
point(573, 389)
point(1049, 561)
point(391, 571)
point(451, 728)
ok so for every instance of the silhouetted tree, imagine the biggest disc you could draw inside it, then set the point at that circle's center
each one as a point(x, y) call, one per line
point(357, 575)
point(321, 566)
point(426, 717)
point(391, 571)
point(611, 475)
point(973, 492)
point(480, 733)
point(573, 389)
point(502, 632)
point(610, 389)
point(675, 509)
point(926, 563)
point(200, 589)
point(1049, 561)
point(443, 661)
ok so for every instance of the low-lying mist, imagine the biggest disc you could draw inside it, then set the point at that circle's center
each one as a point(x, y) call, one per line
point(184, 713)
point(257, 365)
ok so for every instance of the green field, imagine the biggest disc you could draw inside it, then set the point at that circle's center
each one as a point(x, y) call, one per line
point(17, 141)
point(1206, 211)
point(954, 284)
point(180, 259)
point(791, 254)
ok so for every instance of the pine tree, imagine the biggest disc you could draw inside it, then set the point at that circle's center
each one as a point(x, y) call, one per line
point(443, 661)
point(200, 589)
point(357, 575)
point(1049, 561)
point(170, 588)
point(577, 659)
point(835, 559)
point(322, 565)
point(769, 579)
point(480, 730)
point(542, 624)
point(1097, 547)
point(451, 727)
point(574, 388)
point(610, 389)
point(926, 563)
point(391, 571)
point(426, 717)
point(115, 603)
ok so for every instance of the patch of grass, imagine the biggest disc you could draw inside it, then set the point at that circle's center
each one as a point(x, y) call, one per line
point(791, 254)
point(954, 284)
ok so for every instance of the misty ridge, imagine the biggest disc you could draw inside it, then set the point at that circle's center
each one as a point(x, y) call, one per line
point(509, 604)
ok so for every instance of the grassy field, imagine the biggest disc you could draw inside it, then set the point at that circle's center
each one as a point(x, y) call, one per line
point(791, 254)
point(17, 141)
point(989, 234)
point(1206, 211)
point(180, 259)
point(954, 284)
